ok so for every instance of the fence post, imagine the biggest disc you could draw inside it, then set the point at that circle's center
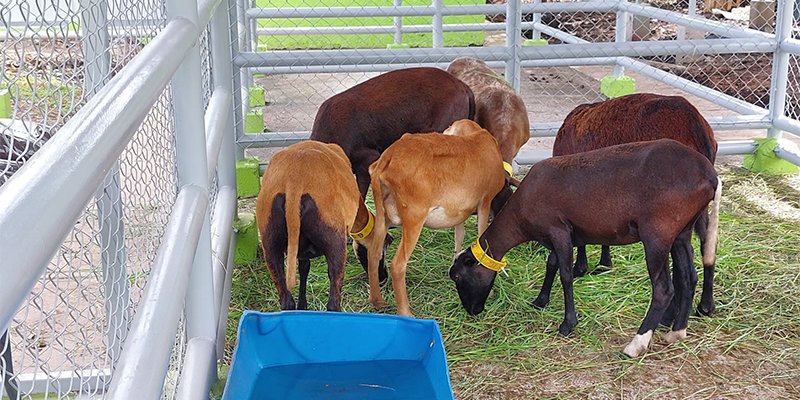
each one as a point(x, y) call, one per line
point(537, 19)
point(438, 25)
point(780, 67)
point(398, 25)
point(108, 198)
point(620, 36)
point(222, 69)
point(513, 42)
point(191, 159)
point(241, 76)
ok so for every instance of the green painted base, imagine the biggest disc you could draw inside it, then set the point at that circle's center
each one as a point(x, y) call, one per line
point(5, 103)
point(254, 121)
point(247, 179)
point(612, 87)
point(246, 238)
point(535, 42)
point(764, 160)
point(398, 46)
point(257, 96)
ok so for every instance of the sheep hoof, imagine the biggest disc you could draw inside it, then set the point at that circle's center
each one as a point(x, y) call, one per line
point(675, 336)
point(600, 269)
point(377, 303)
point(705, 310)
point(638, 345)
point(540, 303)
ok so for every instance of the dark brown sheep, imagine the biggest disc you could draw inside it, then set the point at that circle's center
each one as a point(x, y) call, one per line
point(651, 192)
point(637, 118)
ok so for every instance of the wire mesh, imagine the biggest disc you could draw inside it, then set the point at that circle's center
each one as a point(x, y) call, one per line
point(55, 55)
point(550, 91)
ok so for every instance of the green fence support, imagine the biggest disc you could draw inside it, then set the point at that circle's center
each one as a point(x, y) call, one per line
point(765, 161)
point(246, 238)
point(611, 86)
point(247, 178)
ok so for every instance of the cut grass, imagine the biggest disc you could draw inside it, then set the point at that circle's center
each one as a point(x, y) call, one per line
point(749, 349)
point(277, 42)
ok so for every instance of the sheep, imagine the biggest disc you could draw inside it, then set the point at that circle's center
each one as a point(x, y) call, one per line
point(431, 180)
point(307, 204)
point(635, 118)
point(651, 192)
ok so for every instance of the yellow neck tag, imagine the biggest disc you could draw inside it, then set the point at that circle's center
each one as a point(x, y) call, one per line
point(508, 168)
point(366, 230)
point(486, 260)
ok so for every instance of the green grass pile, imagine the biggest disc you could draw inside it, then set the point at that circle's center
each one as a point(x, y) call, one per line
point(749, 349)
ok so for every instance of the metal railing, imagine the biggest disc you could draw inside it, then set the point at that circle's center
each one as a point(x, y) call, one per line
point(188, 281)
point(40, 203)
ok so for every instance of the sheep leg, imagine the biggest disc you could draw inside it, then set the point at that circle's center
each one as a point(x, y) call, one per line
point(685, 279)
point(412, 227)
point(374, 255)
point(563, 249)
point(304, 266)
point(581, 263)
point(706, 306)
point(657, 257)
point(543, 299)
point(459, 238)
point(605, 256)
point(275, 259)
point(336, 257)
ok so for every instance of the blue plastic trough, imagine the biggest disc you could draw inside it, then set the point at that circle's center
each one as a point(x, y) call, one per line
point(327, 355)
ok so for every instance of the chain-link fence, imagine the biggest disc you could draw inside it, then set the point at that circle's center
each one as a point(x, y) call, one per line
point(718, 54)
point(55, 55)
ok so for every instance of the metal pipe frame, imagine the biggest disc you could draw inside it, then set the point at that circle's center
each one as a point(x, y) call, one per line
point(788, 154)
point(580, 50)
point(73, 163)
point(146, 353)
point(513, 43)
point(780, 65)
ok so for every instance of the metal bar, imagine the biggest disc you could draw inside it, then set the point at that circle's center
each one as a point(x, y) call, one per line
point(221, 235)
point(64, 383)
point(192, 169)
point(780, 66)
point(10, 384)
point(787, 124)
point(701, 24)
point(193, 384)
point(223, 73)
point(539, 129)
point(736, 147)
point(536, 34)
point(558, 34)
point(398, 25)
point(620, 33)
point(364, 30)
point(390, 56)
point(145, 355)
point(696, 89)
point(513, 42)
point(421, 11)
point(530, 157)
point(438, 22)
point(790, 45)
point(788, 154)
point(234, 20)
point(226, 300)
point(217, 123)
point(108, 197)
point(72, 164)
point(205, 10)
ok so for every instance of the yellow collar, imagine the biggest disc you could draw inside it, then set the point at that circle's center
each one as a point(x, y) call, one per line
point(366, 230)
point(486, 260)
point(508, 168)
